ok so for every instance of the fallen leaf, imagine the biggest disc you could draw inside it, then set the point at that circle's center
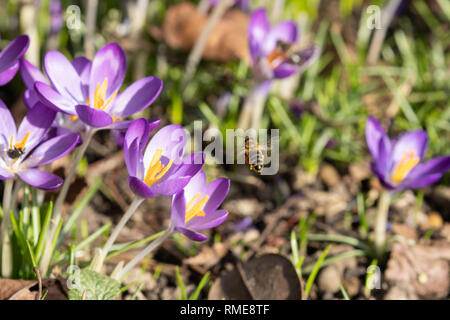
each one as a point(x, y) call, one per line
point(209, 256)
point(426, 267)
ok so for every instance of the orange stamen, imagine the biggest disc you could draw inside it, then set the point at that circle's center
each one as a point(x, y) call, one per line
point(197, 209)
point(407, 163)
point(156, 170)
point(20, 144)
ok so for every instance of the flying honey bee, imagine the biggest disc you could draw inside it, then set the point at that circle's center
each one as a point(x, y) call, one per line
point(286, 52)
point(253, 155)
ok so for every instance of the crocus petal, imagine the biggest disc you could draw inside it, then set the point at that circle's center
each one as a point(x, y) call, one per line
point(52, 150)
point(258, 28)
point(171, 139)
point(178, 211)
point(93, 117)
point(53, 99)
point(190, 166)
point(109, 62)
point(194, 236)
point(170, 186)
point(416, 141)
point(378, 143)
point(307, 57)
point(36, 123)
point(7, 125)
point(137, 97)
point(427, 173)
point(132, 157)
point(63, 76)
point(41, 179)
point(210, 220)
point(217, 191)
point(285, 70)
point(5, 174)
point(83, 67)
point(13, 52)
point(124, 125)
point(196, 184)
point(7, 75)
point(139, 188)
point(30, 74)
point(30, 98)
point(140, 130)
point(285, 31)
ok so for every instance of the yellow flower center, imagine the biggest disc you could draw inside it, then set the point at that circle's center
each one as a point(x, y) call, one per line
point(19, 145)
point(408, 161)
point(195, 209)
point(100, 95)
point(156, 170)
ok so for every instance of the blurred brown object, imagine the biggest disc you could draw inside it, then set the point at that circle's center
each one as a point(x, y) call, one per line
point(183, 24)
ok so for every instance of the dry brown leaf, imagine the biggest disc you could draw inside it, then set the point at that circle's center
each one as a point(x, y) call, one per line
point(209, 256)
point(183, 25)
point(9, 287)
point(426, 267)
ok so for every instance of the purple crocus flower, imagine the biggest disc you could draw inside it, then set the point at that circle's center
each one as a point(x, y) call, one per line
point(158, 168)
point(272, 49)
point(56, 16)
point(25, 149)
point(30, 75)
point(195, 207)
point(9, 58)
point(244, 5)
point(89, 90)
point(399, 163)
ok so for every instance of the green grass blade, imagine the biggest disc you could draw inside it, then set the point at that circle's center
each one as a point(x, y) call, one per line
point(200, 286)
point(92, 237)
point(315, 270)
point(180, 282)
point(344, 292)
point(44, 231)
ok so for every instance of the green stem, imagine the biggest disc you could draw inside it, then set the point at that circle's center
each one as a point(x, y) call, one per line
point(97, 266)
point(152, 246)
point(6, 258)
point(253, 108)
point(46, 257)
point(380, 223)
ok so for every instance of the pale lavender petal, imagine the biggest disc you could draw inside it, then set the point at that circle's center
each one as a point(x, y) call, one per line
point(36, 123)
point(285, 31)
point(210, 220)
point(53, 99)
point(196, 185)
point(93, 117)
point(41, 179)
point(137, 97)
point(170, 186)
point(258, 29)
point(109, 62)
point(30, 74)
point(416, 141)
point(83, 67)
point(7, 125)
point(52, 149)
point(63, 76)
point(5, 174)
point(378, 143)
point(171, 139)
